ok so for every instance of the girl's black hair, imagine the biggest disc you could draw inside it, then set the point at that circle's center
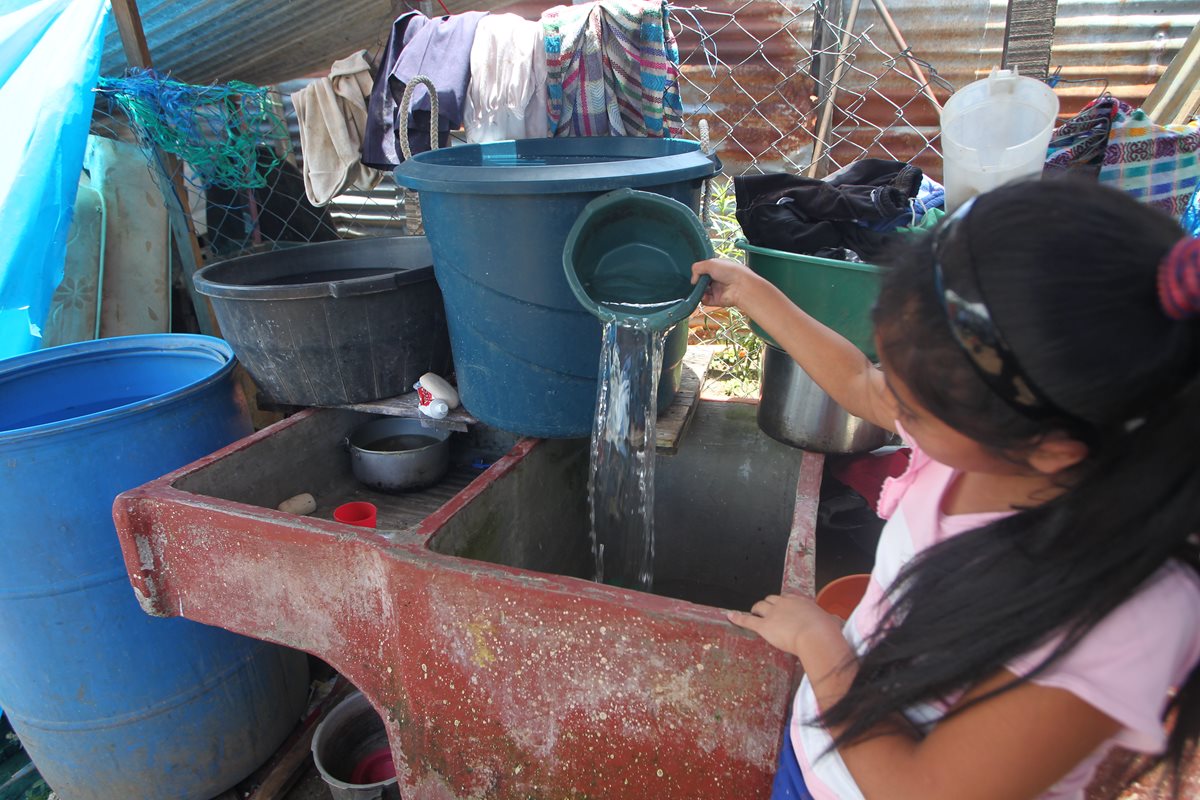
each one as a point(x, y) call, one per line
point(1068, 271)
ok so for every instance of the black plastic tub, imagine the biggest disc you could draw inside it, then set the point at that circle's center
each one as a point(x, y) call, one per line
point(332, 323)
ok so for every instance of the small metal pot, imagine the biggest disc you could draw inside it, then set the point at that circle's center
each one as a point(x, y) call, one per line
point(796, 411)
point(396, 455)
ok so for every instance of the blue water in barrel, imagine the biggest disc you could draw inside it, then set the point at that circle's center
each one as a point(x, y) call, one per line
point(109, 702)
point(497, 216)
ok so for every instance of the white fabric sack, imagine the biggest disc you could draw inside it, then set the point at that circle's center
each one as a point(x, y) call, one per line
point(506, 96)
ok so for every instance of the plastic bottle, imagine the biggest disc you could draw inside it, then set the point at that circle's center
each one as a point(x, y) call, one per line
point(436, 397)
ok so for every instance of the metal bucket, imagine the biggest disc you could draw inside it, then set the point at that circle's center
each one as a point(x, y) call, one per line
point(397, 455)
point(796, 411)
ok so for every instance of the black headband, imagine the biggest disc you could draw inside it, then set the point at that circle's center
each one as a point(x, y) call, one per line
point(957, 282)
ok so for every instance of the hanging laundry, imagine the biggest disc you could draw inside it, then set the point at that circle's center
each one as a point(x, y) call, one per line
point(379, 147)
point(827, 217)
point(1157, 164)
point(612, 68)
point(332, 115)
point(1079, 143)
point(506, 97)
point(439, 49)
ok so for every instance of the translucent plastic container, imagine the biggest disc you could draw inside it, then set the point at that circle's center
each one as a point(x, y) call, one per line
point(994, 131)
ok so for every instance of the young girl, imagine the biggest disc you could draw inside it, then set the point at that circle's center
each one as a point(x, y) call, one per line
point(1035, 597)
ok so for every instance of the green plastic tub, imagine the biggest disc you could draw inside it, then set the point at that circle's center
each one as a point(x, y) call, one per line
point(838, 294)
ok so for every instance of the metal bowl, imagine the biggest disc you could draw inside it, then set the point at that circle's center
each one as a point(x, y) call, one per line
point(398, 455)
point(796, 411)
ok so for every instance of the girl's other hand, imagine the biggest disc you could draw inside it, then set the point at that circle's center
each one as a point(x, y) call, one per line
point(786, 622)
point(729, 280)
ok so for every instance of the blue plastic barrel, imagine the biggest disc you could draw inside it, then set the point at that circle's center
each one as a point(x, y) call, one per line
point(497, 216)
point(109, 702)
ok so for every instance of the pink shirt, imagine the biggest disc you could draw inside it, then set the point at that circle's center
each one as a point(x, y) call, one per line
point(1124, 667)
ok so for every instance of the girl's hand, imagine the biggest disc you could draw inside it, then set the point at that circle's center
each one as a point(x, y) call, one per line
point(787, 622)
point(729, 281)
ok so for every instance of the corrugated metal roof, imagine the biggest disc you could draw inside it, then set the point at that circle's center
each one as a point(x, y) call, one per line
point(261, 41)
point(761, 45)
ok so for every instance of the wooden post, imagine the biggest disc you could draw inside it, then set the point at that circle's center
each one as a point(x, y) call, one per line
point(137, 52)
point(820, 144)
point(1176, 96)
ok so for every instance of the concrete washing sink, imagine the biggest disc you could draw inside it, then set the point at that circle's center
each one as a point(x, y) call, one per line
point(467, 617)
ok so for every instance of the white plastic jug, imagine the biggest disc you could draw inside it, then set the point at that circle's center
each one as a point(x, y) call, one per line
point(993, 131)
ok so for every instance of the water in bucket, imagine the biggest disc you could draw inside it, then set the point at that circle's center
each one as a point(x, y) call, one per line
point(628, 260)
point(994, 131)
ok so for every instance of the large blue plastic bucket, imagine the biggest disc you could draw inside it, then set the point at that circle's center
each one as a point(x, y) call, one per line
point(497, 215)
point(109, 702)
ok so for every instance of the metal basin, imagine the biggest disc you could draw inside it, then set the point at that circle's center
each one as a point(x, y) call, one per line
point(794, 410)
point(398, 455)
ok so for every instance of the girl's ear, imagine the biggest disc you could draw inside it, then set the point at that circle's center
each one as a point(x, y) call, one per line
point(1057, 452)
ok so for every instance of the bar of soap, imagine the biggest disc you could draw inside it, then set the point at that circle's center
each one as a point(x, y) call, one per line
point(303, 503)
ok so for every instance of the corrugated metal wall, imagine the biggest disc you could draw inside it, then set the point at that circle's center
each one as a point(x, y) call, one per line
point(1127, 44)
point(1122, 47)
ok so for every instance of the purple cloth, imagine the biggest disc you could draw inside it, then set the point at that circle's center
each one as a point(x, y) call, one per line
point(439, 49)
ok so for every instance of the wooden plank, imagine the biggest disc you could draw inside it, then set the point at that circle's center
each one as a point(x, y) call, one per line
point(170, 172)
point(133, 36)
point(407, 406)
point(1028, 37)
point(1176, 96)
point(673, 423)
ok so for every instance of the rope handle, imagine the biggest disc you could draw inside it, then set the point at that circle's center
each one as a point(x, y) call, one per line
point(706, 190)
point(406, 102)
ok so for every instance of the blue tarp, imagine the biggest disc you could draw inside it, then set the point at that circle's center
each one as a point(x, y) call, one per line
point(49, 62)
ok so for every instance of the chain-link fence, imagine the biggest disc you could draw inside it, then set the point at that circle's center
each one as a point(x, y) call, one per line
point(803, 87)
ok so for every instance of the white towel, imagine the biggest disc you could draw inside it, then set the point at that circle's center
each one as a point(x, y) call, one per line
point(332, 113)
point(506, 97)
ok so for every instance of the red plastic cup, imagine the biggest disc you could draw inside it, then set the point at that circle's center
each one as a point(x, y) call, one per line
point(360, 513)
point(375, 767)
point(840, 597)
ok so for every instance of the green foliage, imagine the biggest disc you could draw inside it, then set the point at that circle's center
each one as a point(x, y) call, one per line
point(735, 367)
point(722, 220)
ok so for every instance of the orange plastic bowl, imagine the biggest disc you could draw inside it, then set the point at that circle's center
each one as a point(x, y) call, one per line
point(841, 596)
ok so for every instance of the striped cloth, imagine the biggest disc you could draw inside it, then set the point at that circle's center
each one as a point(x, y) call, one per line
point(1157, 164)
point(612, 69)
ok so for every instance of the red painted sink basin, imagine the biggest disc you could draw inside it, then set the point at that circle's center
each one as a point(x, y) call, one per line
point(467, 619)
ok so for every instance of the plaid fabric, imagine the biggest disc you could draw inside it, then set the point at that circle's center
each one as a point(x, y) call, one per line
point(1157, 164)
point(1081, 141)
point(612, 68)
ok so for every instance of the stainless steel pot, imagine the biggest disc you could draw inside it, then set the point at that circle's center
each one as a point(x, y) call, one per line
point(395, 455)
point(794, 410)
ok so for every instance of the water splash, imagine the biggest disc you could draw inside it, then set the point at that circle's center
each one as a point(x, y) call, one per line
point(621, 481)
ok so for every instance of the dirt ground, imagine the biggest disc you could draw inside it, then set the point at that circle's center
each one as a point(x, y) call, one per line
point(310, 787)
